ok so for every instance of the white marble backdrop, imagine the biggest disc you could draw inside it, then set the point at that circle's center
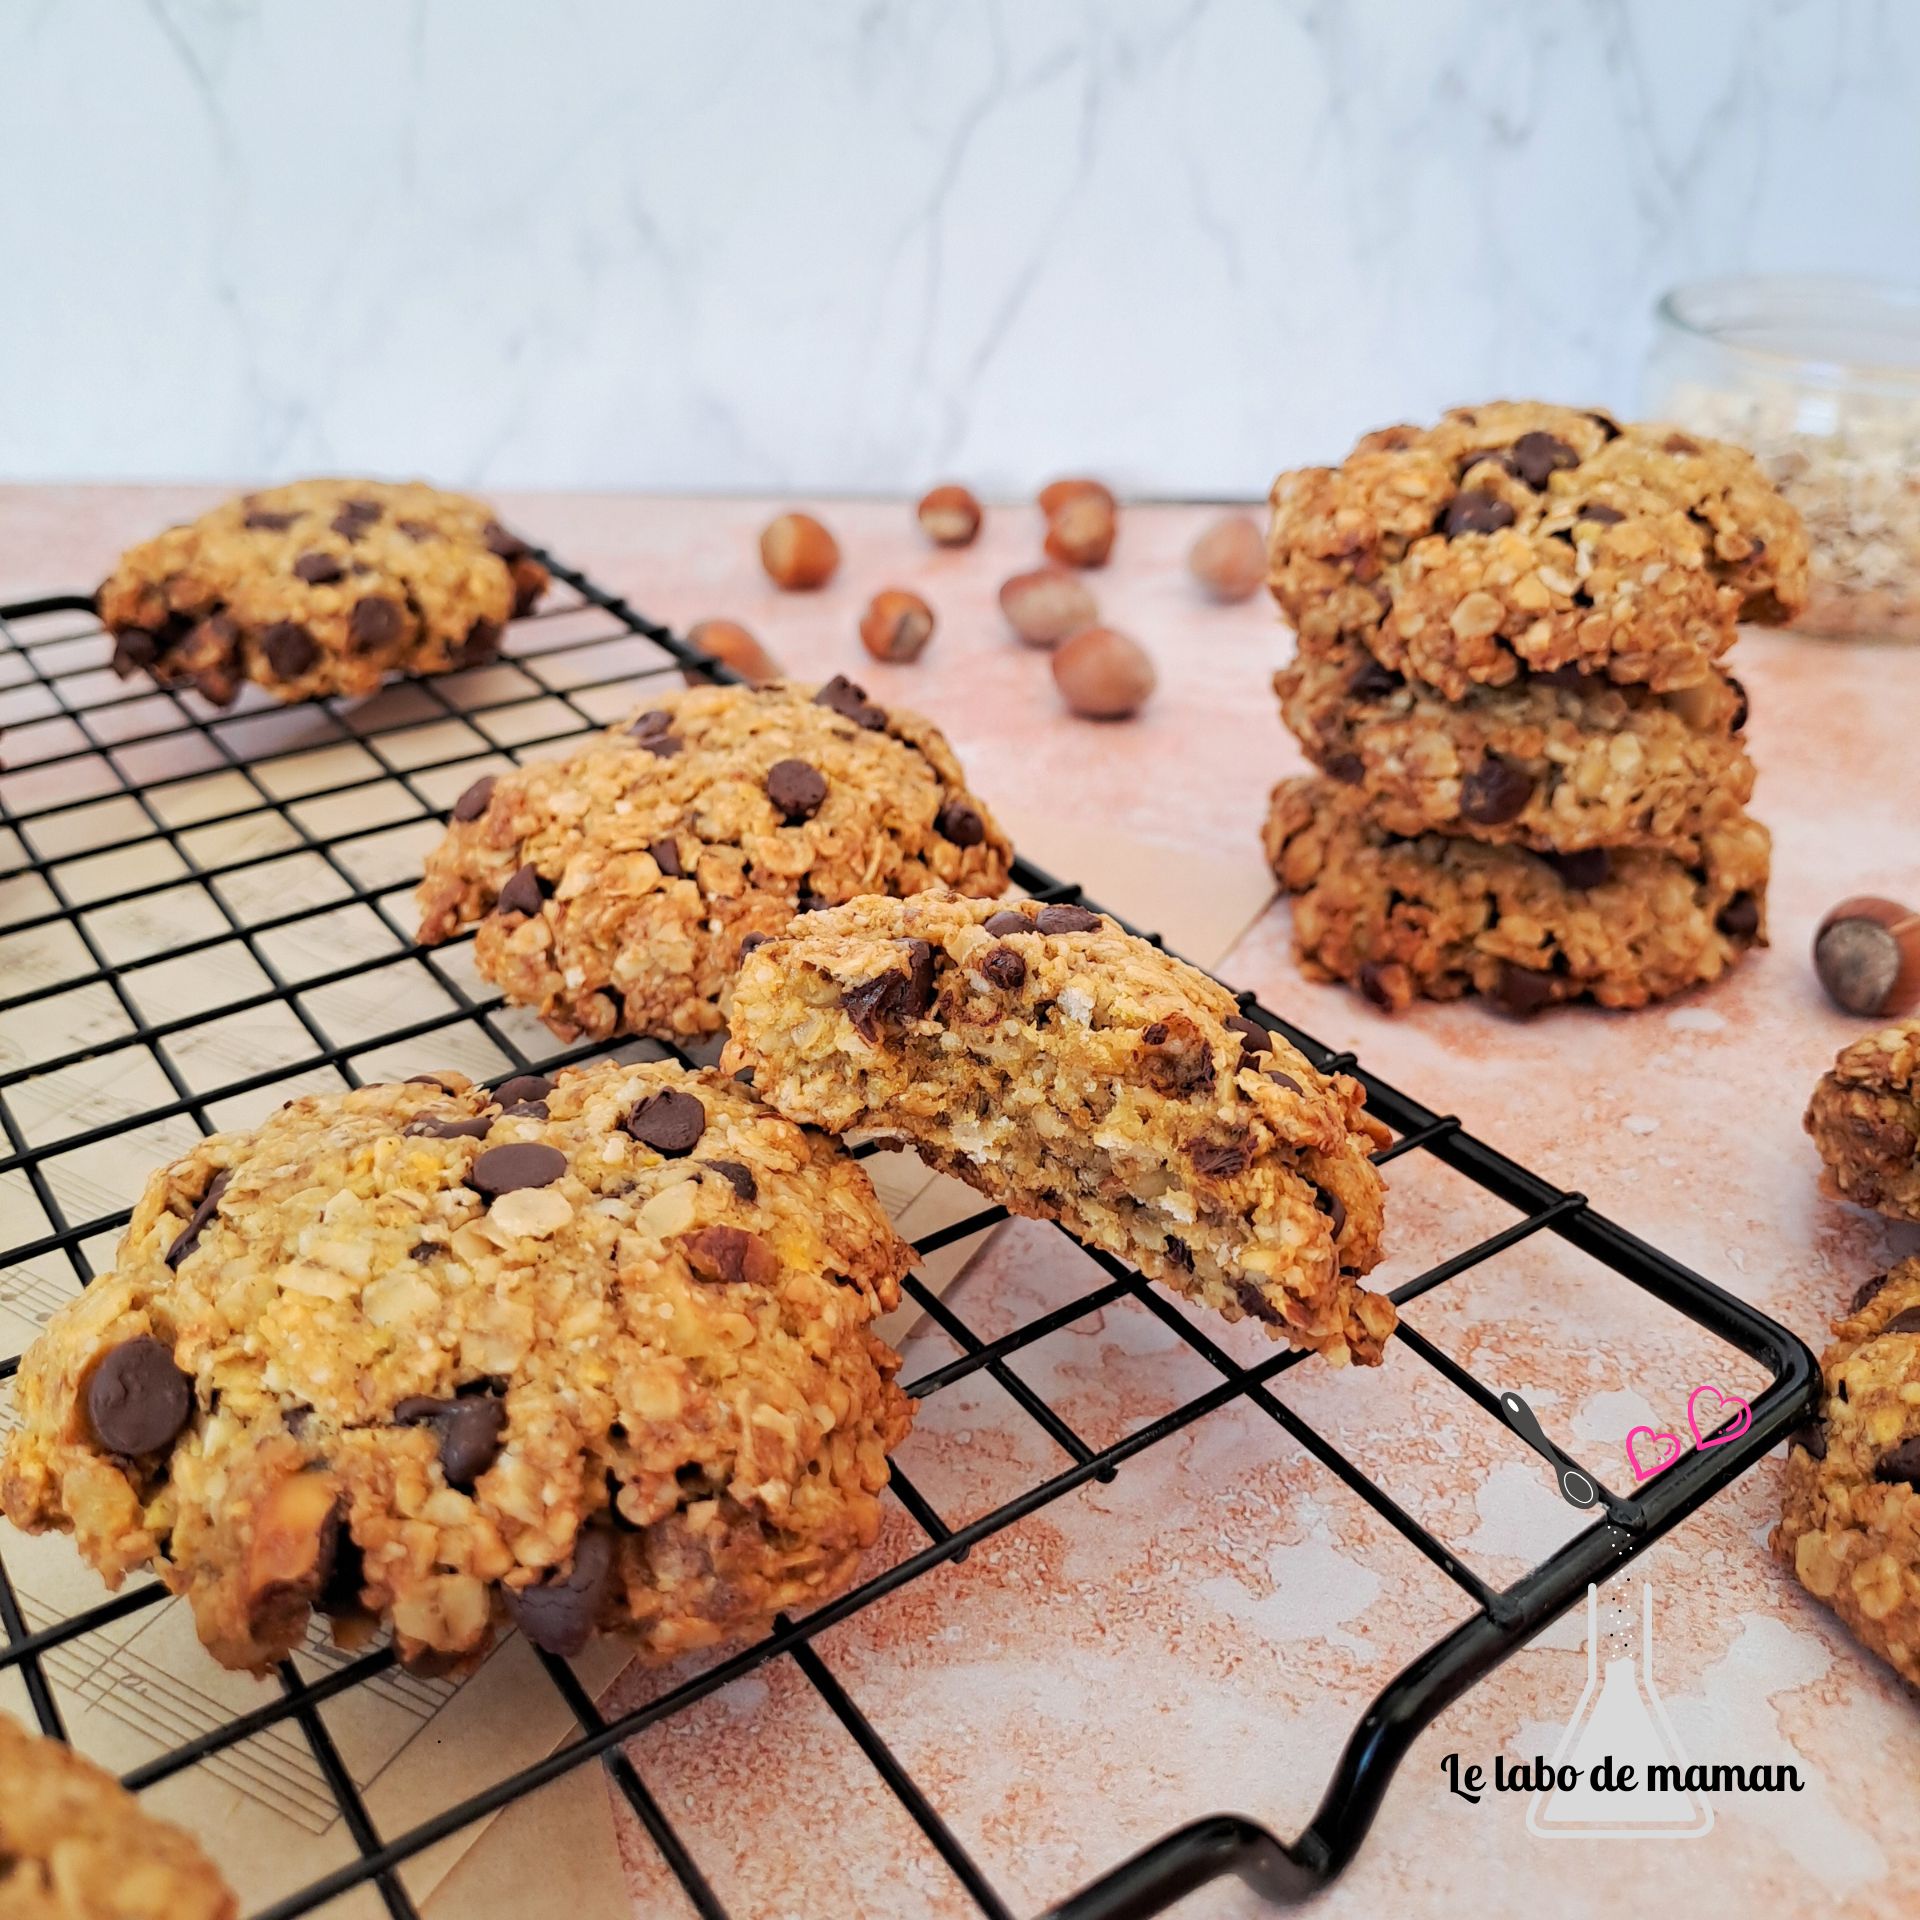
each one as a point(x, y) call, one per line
point(758, 243)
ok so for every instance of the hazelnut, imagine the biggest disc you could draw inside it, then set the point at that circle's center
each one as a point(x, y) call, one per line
point(896, 625)
point(1867, 954)
point(1102, 674)
point(1230, 559)
point(1057, 493)
point(733, 646)
point(1080, 519)
point(798, 552)
point(951, 516)
point(1046, 605)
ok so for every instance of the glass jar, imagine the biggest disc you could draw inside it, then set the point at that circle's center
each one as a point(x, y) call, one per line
point(1821, 379)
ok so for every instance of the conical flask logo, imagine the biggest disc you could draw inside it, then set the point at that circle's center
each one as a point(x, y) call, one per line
point(1619, 1724)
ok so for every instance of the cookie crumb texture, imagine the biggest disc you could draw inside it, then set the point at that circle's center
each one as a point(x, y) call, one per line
point(1441, 917)
point(1850, 1515)
point(1072, 1072)
point(597, 1357)
point(1516, 535)
point(320, 587)
point(612, 890)
point(1865, 1119)
point(75, 1845)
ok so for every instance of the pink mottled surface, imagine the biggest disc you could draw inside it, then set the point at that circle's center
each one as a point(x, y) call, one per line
point(1202, 1633)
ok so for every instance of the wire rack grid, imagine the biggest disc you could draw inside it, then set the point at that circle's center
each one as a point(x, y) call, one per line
point(72, 731)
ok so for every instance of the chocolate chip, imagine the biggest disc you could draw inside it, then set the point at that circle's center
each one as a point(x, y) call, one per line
point(1475, 512)
point(355, 517)
point(670, 1122)
point(434, 1127)
point(374, 622)
point(1372, 982)
point(1067, 919)
point(1905, 1321)
point(481, 643)
point(1739, 919)
point(892, 996)
point(137, 1399)
point(1348, 768)
point(797, 789)
point(1004, 968)
point(1219, 1159)
point(523, 893)
point(1007, 921)
point(1372, 681)
point(841, 696)
point(523, 1163)
point(1812, 1437)
point(1537, 456)
point(1256, 1303)
point(752, 940)
point(1901, 1464)
point(134, 648)
point(469, 1431)
point(738, 1177)
point(666, 856)
point(523, 1086)
point(1522, 989)
point(525, 1110)
point(290, 649)
point(190, 1235)
point(1590, 867)
point(1600, 514)
point(424, 1250)
point(1866, 1290)
point(1569, 677)
point(729, 1256)
point(1679, 443)
point(418, 530)
point(1495, 792)
point(473, 803)
point(1179, 1062)
point(559, 1615)
point(1286, 1080)
point(1254, 1038)
point(656, 720)
point(1608, 425)
point(319, 569)
point(960, 823)
point(1739, 705)
point(1178, 1254)
point(507, 546)
point(1333, 1207)
point(429, 1080)
point(261, 520)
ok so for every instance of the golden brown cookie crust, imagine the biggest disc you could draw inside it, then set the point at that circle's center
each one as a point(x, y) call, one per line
point(75, 1845)
point(713, 814)
point(637, 1300)
point(1520, 536)
point(1442, 917)
point(1865, 1119)
point(319, 587)
point(1850, 1514)
point(1073, 1072)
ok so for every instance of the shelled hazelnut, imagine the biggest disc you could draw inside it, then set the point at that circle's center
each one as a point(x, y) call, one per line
point(1080, 522)
point(896, 625)
point(1867, 954)
point(950, 515)
point(1045, 606)
point(1103, 674)
point(1229, 560)
point(732, 645)
point(798, 552)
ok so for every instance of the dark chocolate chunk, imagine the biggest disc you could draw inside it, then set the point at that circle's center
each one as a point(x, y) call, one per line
point(1257, 1304)
point(1007, 921)
point(797, 789)
point(1286, 1080)
point(523, 893)
point(291, 650)
point(841, 696)
point(319, 569)
point(1179, 1062)
point(1739, 919)
point(1372, 982)
point(1523, 989)
point(729, 1256)
point(1178, 1254)
point(960, 823)
point(656, 720)
point(137, 1399)
point(418, 530)
point(1220, 1159)
point(525, 1110)
point(1600, 514)
point(522, 1163)
point(1371, 680)
point(262, 520)
point(1333, 1207)
point(1348, 768)
point(468, 1428)
point(508, 546)
point(1866, 1290)
point(134, 648)
point(1495, 792)
point(1901, 1463)
point(374, 622)
point(429, 1080)
point(1004, 968)
point(523, 1086)
point(481, 643)
point(738, 1177)
point(433, 1127)
point(1537, 456)
point(1905, 1321)
point(1812, 1437)
point(473, 803)
point(197, 1222)
point(1254, 1038)
point(1067, 919)
point(666, 856)
point(890, 997)
point(1569, 677)
point(752, 940)
point(1590, 867)
point(1739, 705)
point(559, 1615)
point(1475, 512)
point(670, 1122)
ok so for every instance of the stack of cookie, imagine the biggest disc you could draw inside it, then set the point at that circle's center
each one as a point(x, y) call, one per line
point(1509, 673)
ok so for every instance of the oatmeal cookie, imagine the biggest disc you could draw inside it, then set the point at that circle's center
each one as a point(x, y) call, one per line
point(1865, 1119)
point(612, 889)
point(1443, 917)
point(1556, 762)
point(320, 587)
point(1850, 1516)
point(1073, 1072)
point(75, 1845)
point(1517, 535)
point(592, 1352)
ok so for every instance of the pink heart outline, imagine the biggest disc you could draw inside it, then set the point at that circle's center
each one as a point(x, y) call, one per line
point(1667, 1445)
point(1739, 1426)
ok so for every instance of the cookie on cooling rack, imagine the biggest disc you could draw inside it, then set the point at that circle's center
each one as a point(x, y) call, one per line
point(1073, 1072)
point(1865, 1119)
point(320, 587)
point(75, 1845)
point(612, 890)
point(1517, 536)
point(1850, 1518)
point(588, 1353)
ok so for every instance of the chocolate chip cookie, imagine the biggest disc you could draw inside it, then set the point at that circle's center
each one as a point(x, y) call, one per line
point(1518, 536)
point(1850, 1517)
point(1444, 916)
point(324, 586)
point(1865, 1119)
point(75, 1845)
point(612, 890)
point(592, 1352)
point(1073, 1072)
point(1557, 762)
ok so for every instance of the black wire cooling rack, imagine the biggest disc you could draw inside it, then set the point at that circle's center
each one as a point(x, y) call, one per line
point(73, 730)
